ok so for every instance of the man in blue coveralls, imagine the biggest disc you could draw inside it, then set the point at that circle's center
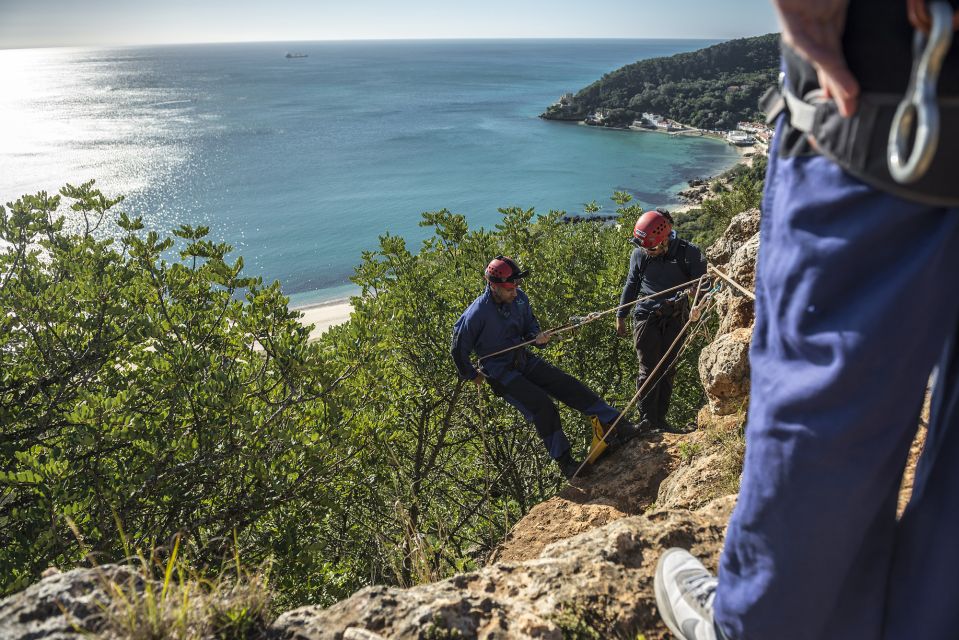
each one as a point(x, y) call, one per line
point(501, 317)
point(855, 306)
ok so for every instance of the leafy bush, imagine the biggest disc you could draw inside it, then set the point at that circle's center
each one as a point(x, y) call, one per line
point(146, 381)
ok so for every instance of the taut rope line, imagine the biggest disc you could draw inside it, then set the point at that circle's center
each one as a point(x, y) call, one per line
point(738, 287)
point(596, 315)
point(642, 390)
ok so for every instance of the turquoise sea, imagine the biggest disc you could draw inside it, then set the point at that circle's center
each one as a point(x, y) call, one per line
point(301, 163)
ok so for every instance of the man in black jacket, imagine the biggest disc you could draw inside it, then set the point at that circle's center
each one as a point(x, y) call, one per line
point(660, 261)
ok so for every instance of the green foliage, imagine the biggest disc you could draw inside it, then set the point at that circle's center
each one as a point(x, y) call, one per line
point(144, 380)
point(712, 88)
point(135, 386)
point(705, 224)
point(159, 599)
point(576, 623)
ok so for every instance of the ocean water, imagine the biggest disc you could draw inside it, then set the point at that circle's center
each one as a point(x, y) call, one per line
point(302, 163)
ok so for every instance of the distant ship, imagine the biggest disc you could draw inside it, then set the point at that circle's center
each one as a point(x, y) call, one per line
point(296, 55)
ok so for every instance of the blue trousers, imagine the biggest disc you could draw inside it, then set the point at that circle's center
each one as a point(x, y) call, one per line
point(532, 391)
point(856, 304)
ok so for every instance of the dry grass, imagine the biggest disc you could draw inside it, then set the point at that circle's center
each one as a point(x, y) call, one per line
point(168, 599)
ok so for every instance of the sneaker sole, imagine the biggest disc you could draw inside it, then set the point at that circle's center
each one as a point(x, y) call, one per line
point(660, 590)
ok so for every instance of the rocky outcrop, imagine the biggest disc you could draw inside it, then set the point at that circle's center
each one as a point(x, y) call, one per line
point(724, 370)
point(600, 580)
point(623, 483)
point(724, 364)
point(741, 228)
point(62, 606)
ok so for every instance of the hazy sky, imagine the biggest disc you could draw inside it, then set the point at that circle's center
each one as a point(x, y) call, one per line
point(35, 23)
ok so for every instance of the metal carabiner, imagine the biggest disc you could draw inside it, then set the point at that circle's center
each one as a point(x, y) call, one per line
point(919, 108)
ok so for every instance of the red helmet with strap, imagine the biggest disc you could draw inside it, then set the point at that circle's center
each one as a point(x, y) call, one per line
point(503, 271)
point(651, 229)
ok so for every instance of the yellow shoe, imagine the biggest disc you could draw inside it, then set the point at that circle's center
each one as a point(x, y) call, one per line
point(598, 447)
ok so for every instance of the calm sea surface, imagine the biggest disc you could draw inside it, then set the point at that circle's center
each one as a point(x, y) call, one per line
point(301, 163)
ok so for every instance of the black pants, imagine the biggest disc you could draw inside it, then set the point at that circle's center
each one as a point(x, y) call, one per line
point(652, 335)
point(532, 391)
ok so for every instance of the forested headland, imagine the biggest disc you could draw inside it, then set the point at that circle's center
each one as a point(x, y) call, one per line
point(712, 88)
point(175, 407)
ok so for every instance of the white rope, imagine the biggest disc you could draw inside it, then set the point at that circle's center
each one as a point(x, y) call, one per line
point(743, 290)
point(592, 317)
point(642, 388)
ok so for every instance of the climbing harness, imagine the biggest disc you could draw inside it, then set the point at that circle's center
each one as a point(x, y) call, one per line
point(906, 145)
point(919, 109)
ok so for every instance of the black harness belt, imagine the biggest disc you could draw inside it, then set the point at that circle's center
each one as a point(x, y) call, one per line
point(859, 143)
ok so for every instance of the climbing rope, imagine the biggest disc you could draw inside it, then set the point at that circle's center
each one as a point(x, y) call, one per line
point(740, 288)
point(641, 392)
point(700, 306)
point(578, 321)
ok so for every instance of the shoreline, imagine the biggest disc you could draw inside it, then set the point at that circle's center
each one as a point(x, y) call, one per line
point(323, 315)
point(745, 154)
point(329, 313)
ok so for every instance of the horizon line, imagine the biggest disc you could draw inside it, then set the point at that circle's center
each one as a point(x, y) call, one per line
point(371, 39)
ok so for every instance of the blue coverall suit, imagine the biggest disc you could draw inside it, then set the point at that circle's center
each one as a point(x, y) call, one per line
point(519, 377)
point(855, 305)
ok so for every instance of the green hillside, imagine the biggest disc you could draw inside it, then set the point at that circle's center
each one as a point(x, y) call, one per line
point(712, 88)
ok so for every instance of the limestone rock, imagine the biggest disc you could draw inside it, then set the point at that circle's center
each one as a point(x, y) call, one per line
point(735, 311)
point(742, 264)
point(741, 228)
point(602, 577)
point(692, 485)
point(724, 370)
point(593, 499)
point(38, 611)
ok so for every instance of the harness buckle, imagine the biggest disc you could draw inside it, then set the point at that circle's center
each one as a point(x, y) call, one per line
point(919, 108)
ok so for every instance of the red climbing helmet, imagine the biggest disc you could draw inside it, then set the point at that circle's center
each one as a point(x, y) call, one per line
point(504, 272)
point(651, 229)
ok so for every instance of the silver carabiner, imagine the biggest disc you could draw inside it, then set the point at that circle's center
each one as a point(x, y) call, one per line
point(919, 108)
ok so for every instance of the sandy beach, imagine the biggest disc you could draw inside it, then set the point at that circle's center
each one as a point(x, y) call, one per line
point(324, 315)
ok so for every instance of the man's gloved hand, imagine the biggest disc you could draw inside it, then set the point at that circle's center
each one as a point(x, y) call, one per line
point(621, 327)
point(695, 314)
point(814, 29)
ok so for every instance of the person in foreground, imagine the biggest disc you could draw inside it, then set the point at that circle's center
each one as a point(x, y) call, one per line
point(856, 305)
point(660, 261)
point(501, 317)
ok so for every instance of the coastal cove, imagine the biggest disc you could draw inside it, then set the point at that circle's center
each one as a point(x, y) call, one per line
point(302, 163)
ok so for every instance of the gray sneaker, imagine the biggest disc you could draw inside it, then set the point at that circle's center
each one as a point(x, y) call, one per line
point(685, 591)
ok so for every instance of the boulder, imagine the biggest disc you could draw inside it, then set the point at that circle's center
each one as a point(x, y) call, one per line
point(724, 370)
point(741, 228)
point(742, 264)
point(601, 579)
point(735, 311)
point(62, 606)
point(693, 484)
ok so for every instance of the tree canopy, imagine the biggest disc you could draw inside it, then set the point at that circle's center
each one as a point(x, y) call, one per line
point(712, 88)
point(147, 386)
